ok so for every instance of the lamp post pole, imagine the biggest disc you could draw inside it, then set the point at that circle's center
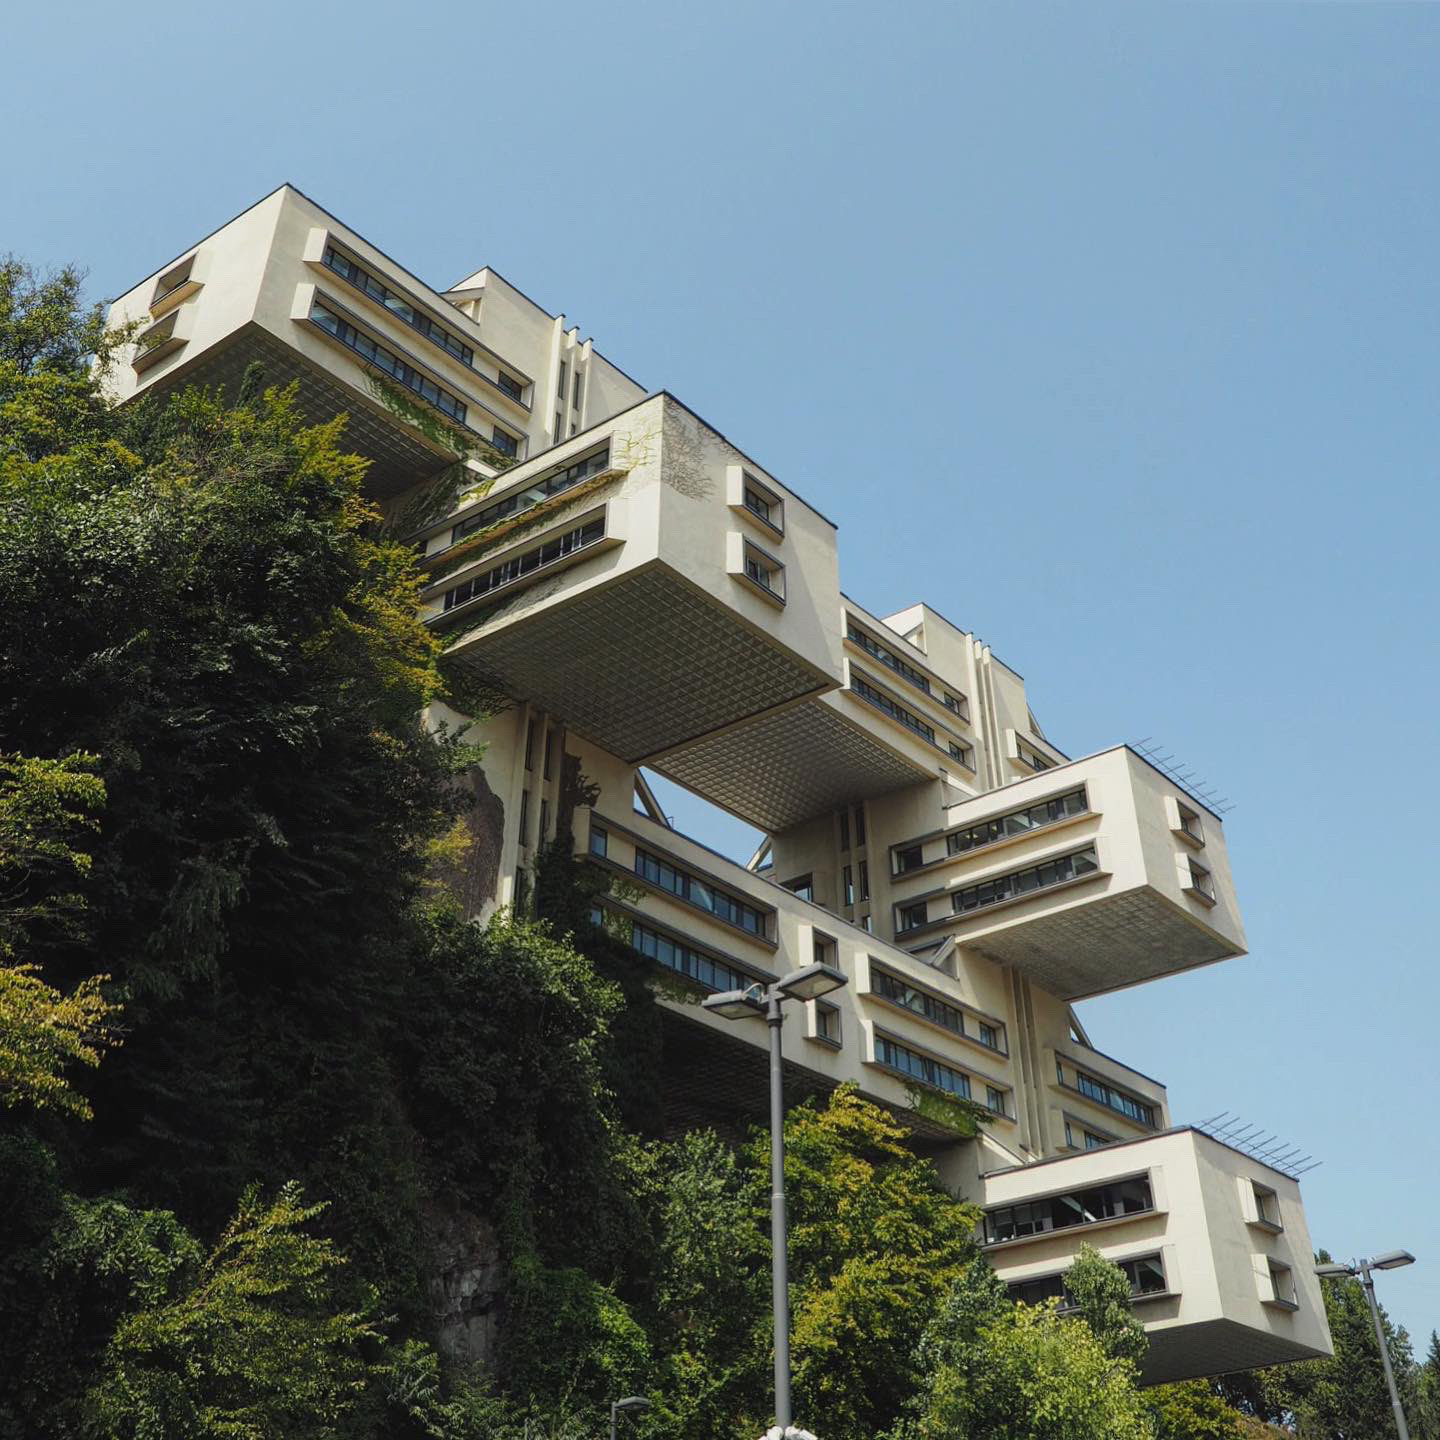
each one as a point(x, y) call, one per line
point(779, 1240)
point(1367, 1279)
point(764, 1002)
point(1364, 1270)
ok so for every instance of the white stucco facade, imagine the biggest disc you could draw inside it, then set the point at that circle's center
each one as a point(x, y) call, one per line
point(639, 592)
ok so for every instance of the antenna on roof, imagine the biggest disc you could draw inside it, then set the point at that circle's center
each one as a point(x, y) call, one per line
point(1236, 1132)
point(1197, 787)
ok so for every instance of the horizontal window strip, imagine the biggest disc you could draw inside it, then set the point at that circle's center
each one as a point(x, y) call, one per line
point(526, 563)
point(665, 875)
point(894, 1056)
point(1029, 881)
point(1113, 1099)
point(355, 274)
point(896, 711)
point(1146, 1274)
point(1017, 822)
point(542, 489)
point(387, 360)
point(1087, 1206)
point(940, 1012)
point(706, 970)
point(886, 656)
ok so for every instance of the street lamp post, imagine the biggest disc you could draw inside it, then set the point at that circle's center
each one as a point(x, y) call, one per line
point(1390, 1260)
point(807, 984)
point(624, 1407)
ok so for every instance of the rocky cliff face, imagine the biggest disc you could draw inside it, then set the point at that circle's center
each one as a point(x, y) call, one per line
point(464, 1278)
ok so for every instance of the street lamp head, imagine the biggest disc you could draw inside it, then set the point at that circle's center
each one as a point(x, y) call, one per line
point(632, 1402)
point(735, 1004)
point(1392, 1260)
point(1333, 1272)
point(812, 982)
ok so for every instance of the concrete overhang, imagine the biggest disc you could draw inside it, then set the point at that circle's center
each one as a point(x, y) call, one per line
point(400, 456)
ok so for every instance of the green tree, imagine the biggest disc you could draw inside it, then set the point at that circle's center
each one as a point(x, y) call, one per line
point(47, 807)
point(1339, 1398)
point(1192, 1410)
point(1426, 1423)
point(1019, 1372)
point(1100, 1292)
point(260, 1345)
point(875, 1244)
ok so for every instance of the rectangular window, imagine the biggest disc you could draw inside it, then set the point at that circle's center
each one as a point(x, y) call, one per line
point(914, 916)
point(544, 821)
point(894, 1056)
point(1282, 1286)
point(549, 752)
point(504, 442)
point(963, 753)
point(510, 385)
point(1031, 757)
point(1017, 822)
point(859, 825)
point(864, 880)
point(1113, 1099)
point(847, 885)
point(701, 893)
point(988, 1035)
point(559, 426)
point(900, 992)
point(765, 571)
point(385, 359)
point(1267, 1207)
point(760, 503)
point(1190, 823)
point(1086, 1206)
point(822, 950)
point(575, 395)
point(956, 704)
point(885, 655)
point(530, 745)
point(995, 1100)
point(1201, 880)
point(1096, 1142)
point(910, 858)
point(844, 829)
point(524, 817)
point(173, 279)
point(527, 562)
point(705, 970)
point(560, 390)
point(1023, 882)
point(356, 275)
point(599, 841)
point(893, 708)
point(827, 1022)
point(866, 924)
point(802, 885)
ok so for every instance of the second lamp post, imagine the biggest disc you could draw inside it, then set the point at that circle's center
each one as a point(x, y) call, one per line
point(753, 1003)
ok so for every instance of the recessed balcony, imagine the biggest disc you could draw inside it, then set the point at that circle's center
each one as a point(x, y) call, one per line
point(1082, 877)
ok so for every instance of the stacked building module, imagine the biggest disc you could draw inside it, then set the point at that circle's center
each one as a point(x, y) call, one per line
point(645, 594)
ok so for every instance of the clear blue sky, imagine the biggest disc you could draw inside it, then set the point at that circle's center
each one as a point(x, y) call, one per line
point(1110, 329)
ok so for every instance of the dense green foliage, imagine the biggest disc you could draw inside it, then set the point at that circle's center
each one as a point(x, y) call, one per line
point(291, 1148)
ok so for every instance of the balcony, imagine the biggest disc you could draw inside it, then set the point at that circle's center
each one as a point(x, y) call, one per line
point(1217, 1290)
point(1086, 877)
